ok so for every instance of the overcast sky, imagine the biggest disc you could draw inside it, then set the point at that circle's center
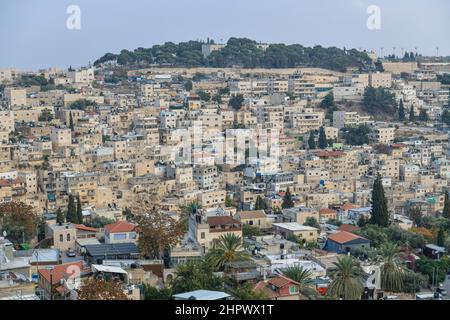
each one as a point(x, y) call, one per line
point(34, 33)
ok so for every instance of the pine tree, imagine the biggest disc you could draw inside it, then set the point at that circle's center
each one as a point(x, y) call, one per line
point(287, 200)
point(60, 219)
point(71, 121)
point(311, 141)
point(401, 111)
point(412, 116)
point(380, 215)
point(446, 211)
point(71, 215)
point(323, 142)
point(79, 210)
point(440, 237)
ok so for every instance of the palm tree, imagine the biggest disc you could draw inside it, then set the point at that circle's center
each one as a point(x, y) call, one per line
point(346, 278)
point(304, 277)
point(187, 210)
point(392, 271)
point(226, 250)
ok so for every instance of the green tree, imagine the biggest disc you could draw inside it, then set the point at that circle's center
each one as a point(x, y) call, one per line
point(79, 210)
point(245, 292)
point(379, 100)
point(60, 216)
point(71, 121)
point(357, 136)
point(99, 222)
point(401, 111)
point(288, 202)
point(304, 277)
point(217, 98)
point(423, 115)
point(250, 231)
point(227, 249)
point(328, 101)
point(440, 241)
point(446, 211)
point(153, 293)
point(412, 116)
point(204, 96)
point(312, 222)
point(260, 204)
point(188, 85)
point(228, 201)
point(346, 275)
point(195, 276)
point(436, 270)
point(392, 271)
point(380, 214)
point(311, 141)
point(187, 210)
point(323, 142)
point(71, 215)
point(236, 101)
point(445, 117)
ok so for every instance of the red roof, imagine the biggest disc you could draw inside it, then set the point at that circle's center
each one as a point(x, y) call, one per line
point(120, 226)
point(61, 270)
point(344, 237)
point(348, 206)
point(326, 211)
point(329, 154)
point(221, 220)
point(281, 281)
point(82, 227)
point(348, 227)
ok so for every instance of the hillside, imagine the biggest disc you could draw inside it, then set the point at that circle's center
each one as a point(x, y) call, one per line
point(241, 52)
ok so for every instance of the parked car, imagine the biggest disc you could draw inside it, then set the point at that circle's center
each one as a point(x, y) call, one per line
point(71, 253)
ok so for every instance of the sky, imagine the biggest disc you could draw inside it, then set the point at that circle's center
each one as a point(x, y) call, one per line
point(34, 34)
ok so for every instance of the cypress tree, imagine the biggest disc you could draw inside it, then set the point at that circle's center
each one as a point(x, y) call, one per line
point(71, 121)
point(412, 116)
point(423, 116)
point(79, 210)
point(440, 237)
point(380, 215)
point(323, 142)
point(401, 111)
point(260, 204)
point(287, 200)
point(60, 216)
point(311, 141)
point(446, 211)
point(71, 215)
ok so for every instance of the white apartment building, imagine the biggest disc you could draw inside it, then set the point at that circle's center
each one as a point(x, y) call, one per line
point(343, 119)
point(6, 121)
point(16, 97)
point(82, 76)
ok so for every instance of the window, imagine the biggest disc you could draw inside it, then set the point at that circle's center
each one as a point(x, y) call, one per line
point(119, 236)
point(293, 289)
point(202, 235)
point(68, 237)
point(61, 238)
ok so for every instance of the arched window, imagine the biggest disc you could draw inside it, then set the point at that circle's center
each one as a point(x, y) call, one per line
point(68, 237)
point(61, 239)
